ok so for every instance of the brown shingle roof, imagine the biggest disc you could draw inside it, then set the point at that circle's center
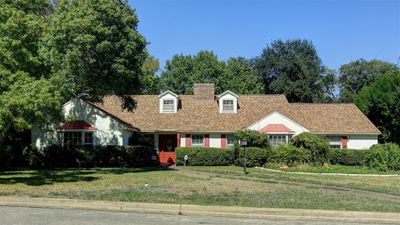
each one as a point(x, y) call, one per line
point(203, 115)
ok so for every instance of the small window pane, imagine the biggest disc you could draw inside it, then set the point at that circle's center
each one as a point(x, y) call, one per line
point(72, 138)
point(168, 105)
point(227, 106)
point(230, 139)
point(88, 138)
point(197, 139)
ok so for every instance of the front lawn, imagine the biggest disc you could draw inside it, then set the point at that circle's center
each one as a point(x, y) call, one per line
point(202, 185)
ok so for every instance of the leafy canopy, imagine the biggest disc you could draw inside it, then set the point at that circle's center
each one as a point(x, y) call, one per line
point(294, 68)
point(381, 103)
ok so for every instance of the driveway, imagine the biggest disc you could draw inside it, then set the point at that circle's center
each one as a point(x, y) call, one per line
point(38, 216)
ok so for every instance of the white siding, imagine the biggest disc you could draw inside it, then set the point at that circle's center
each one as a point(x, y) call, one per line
point(277, 118)
point(183, 139)
point(228, 97)
point(361, 141)
point(168, 96)
point(109, 130)
point(215, 140)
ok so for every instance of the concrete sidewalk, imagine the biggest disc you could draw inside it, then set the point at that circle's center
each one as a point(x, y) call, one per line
point(242, 212)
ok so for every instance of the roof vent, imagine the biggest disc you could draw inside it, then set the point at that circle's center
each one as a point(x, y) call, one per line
point(204, 91)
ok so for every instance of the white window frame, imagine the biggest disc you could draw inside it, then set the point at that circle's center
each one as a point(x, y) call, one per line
point(197, 144)
point(84, 138)
point(231, 106)
point(232, 137)
point(172, 110)
point(335, 142)
point(275, 141)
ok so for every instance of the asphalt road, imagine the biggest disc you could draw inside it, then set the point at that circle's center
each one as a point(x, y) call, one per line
point(39, 216)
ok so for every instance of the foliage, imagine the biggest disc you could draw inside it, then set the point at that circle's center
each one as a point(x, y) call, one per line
point(201, 156)
point(318, 146)
point(360, 73)
point(290, 155)
point(294, 68)
point(347, 157)
point(384, 157)
point(182, 71)
point(254, 138)
point(380, 103)
point(255, 156)
point(149, 81)
point(96, 41)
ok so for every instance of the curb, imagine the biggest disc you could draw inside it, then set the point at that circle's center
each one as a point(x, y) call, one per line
point(183, 209)
point(331, 174)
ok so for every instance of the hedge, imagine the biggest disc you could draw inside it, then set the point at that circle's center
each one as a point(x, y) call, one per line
point(201, 156)
point(90, 156)
point(347, 157)
point(384, 157)
point(290, 155)
point(317, 145)
point(255, 156)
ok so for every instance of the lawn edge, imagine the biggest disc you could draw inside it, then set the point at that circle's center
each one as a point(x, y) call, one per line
point(185, 209)
point(330, 174)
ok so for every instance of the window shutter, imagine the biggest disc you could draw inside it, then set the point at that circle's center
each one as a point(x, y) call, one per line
point(188, 141)
point(223, 140)
point(344, 142)
point(206, 140)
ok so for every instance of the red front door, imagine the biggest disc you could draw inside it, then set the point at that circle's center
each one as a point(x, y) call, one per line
point(166, 148)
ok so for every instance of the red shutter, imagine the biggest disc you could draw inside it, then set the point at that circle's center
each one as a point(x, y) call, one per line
point(188, 141)
point(178, 139)
point(344, 142)
point(223, 140)
point(206, 140)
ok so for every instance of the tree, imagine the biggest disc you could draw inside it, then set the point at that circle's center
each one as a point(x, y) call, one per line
point(358, 74)
point(240, 77)
point(149, 81)
point(293, 68)
point(380, 102)
point(183, 71)
point(95, 46)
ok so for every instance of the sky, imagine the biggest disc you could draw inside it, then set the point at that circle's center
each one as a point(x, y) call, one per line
point(341, 30)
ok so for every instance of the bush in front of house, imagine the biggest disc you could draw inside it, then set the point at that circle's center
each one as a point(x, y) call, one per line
point(347, 157)
point(201, 156)
point(290, 155)
point(255, 156)
point(254, 138)
point(384, 157)
point(318, 146)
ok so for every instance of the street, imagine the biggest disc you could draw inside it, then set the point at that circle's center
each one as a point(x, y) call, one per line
point(39, 216)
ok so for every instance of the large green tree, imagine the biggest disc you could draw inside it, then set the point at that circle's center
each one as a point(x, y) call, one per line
point(183, 71)
point(150, 82)
point(95, 46)
point(381, 103)
point(293, 68)
point(358, 74)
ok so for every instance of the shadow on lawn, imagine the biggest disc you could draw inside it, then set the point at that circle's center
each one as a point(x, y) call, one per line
point(51, 176)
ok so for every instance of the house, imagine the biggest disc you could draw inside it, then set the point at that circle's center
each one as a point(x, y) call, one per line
point(206, 119)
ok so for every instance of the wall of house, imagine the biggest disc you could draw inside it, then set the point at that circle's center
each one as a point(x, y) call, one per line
point(277, 118)
point(215, 139)
point(361, 141)
point(109, 130)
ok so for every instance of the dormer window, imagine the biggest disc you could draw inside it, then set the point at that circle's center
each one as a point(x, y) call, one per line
point(168, 105)
point(228, 102)
point(168, 102)
point(227, 106)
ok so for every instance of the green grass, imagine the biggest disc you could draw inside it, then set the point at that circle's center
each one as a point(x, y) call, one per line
point(332, 169)
point(198, 185)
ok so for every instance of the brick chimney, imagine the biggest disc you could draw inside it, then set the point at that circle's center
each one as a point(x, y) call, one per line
point(204, 91)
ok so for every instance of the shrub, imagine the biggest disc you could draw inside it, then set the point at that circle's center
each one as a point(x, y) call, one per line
point(254, 138)
point(34, 158)
point(384, 157)
point(318, 146)
point(347, 157)
point(255, 156)
point(290, 155)
point(200, 156)
point(5, 156)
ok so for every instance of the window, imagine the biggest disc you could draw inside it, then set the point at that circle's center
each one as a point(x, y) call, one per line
point(168, 105)
point(277, 139)
point(197, 139)
point(334, 141)
point(227, 106)
point(72, 138)
point(88, 140)
point(230, 139)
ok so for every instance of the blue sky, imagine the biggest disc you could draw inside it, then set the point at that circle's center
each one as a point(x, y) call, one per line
point(341, 30)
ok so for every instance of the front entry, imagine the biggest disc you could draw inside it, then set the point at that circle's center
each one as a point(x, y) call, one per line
point(167, 145)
